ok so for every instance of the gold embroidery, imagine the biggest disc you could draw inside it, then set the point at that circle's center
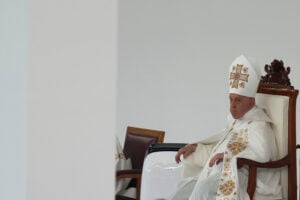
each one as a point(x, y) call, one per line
point(245, 70)
point(226, 165)
point(227, 187)
point(236, 147)
point(242, 85)
point(225, 174)
point(236, 76)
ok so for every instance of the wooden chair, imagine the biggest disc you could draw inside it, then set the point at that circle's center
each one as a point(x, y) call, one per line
point(278, 97)
point(136, 144)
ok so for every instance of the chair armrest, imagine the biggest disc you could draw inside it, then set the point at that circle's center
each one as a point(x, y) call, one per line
point(165, 147)
point(253, 165)
point(129, 173)
point(272, 164)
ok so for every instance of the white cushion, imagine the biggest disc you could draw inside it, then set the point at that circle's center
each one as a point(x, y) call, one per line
point(276, 106)
point(161, 175)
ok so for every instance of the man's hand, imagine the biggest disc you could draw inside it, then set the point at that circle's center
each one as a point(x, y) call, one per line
point(185, 151)
point(216, 159)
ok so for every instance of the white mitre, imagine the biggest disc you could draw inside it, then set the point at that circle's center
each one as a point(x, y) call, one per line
point(243, 77)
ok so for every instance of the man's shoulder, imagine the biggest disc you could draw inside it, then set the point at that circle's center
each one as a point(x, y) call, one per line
point(256, 114)
point(259, 125)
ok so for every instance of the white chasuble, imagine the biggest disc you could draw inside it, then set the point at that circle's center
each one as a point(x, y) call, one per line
point(250, 137)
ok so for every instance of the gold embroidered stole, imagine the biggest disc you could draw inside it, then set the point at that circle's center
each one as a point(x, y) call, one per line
point(227, 132)
point(228, 184)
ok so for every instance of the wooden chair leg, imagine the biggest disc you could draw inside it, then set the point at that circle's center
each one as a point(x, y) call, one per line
point(251, 181)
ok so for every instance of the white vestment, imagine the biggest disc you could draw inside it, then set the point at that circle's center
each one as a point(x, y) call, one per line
point(250, 137)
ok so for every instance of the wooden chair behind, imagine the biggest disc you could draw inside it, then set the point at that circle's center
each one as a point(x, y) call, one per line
point(136, 145)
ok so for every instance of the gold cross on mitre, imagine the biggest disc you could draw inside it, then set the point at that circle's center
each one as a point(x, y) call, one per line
point(238, 76)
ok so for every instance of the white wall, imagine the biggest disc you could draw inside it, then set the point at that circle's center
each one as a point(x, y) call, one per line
point(174, 57)
point(57, 105)
point(13, 60)
point(71, 99)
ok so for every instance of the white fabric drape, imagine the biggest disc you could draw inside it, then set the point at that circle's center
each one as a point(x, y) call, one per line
point(121, 163)
point(249, 137)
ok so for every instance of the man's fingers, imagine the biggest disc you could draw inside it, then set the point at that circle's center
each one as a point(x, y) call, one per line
point(219, 160)
point(212, 162)
point(177, 156)
point(216, 159)
point(185, 152)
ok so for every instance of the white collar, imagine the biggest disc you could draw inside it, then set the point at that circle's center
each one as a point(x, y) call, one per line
point(254, 114)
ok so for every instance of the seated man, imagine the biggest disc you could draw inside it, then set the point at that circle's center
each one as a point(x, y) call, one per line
point(210, 169)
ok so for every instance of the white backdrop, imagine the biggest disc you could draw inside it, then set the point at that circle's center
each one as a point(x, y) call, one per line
point(71, 99)
point(174, 57)
point(13, 61)
point(58, 63)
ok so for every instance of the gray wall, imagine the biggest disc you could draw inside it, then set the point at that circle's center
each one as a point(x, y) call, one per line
point(174, 57)
point(71, 99)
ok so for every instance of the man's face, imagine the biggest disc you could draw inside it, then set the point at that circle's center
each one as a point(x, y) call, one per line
point(239, 105)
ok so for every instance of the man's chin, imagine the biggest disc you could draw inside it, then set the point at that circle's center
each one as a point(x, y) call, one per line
point(235, 116)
